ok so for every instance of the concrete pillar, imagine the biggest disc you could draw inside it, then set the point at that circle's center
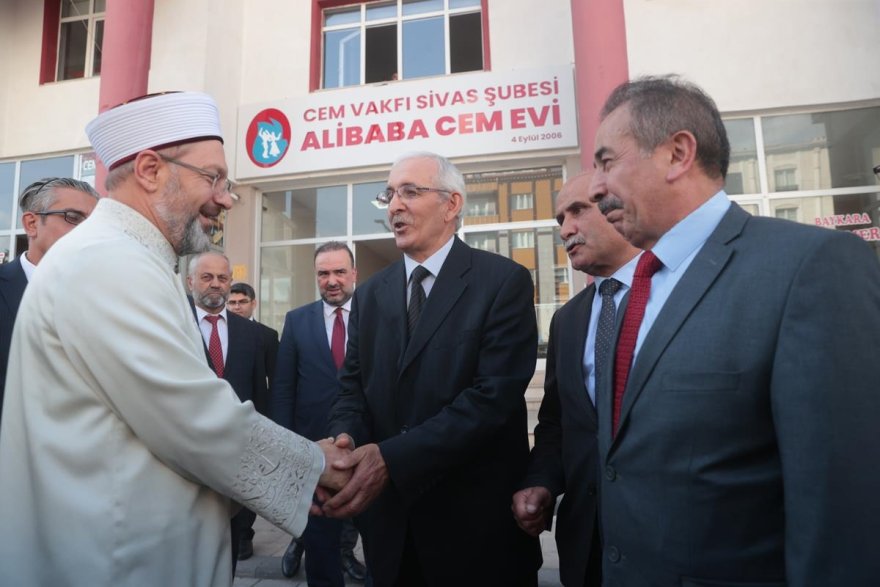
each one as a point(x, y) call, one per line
point(125, 69)
point(600, 63)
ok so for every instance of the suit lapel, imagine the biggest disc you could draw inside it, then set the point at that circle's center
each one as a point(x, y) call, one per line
point(574, 341)
point(699, 277)
point(318, 333)
point(390, 299)
point(448, 287)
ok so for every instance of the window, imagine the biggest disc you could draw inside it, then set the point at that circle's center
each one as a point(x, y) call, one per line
point(785, 179)
point(522, 201)
point(80, 36)
point(787, 213)
point(523, 239)
point(400, 39)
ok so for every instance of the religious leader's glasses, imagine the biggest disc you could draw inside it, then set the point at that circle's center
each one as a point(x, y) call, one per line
point(216, 178)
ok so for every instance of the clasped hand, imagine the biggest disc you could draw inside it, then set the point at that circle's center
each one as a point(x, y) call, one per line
point(352, 479)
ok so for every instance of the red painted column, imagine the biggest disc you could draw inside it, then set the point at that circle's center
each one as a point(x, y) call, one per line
point(125, 69)
point(600, 63)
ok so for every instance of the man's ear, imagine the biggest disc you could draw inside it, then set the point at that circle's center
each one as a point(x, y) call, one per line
point(148, 171)
point(682, 154)
point(29, 222)
point(453, 206)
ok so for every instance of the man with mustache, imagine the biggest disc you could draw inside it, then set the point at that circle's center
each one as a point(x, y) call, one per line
point(738, 435)
point(121, 451)
point(442, 346)
point(564, 458)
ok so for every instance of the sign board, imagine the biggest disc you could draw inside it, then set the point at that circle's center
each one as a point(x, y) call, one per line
point(456, 116)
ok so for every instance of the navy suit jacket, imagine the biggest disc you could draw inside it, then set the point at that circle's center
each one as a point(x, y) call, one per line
point(747, 450)
point(245, 367)
point(306, 381)
point(565, 456)
point(12, 285)
point(448, 413)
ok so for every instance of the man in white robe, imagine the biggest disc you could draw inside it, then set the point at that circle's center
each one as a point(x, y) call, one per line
point(120, 447)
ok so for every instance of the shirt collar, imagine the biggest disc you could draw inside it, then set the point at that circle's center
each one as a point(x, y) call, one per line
point(433, 263)
point(200, 313)
point(27, 266)
point(329, 309)
point(624, 274)
point(691, 232)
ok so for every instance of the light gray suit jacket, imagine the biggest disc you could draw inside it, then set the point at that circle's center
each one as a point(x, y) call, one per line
point(748, 445)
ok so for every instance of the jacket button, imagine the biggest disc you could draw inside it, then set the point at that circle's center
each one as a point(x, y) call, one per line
point(613, 554)
point(610, 473)
point(404, 429)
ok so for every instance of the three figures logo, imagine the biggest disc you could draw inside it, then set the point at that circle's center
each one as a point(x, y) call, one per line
point(268, 137)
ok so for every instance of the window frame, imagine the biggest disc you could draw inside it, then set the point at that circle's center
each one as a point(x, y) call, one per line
point(50, 55)
point(316, 59)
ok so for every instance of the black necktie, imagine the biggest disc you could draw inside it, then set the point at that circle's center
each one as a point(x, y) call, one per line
point(604, 329)
point(416, 297)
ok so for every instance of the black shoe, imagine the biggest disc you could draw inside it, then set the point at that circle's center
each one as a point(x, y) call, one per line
point(245, 549)
point(292, 558)
point(354, 568)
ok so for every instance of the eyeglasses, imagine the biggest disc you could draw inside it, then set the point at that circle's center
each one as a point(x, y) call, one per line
point(244, 302)
point(407, 192)
point(214, 177)
point(73, 217)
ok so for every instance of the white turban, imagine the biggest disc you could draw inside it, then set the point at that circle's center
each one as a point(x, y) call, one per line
point(153, 122)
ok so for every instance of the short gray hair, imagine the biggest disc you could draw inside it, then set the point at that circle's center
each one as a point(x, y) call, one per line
point(194, 260)
point(448, 176)
point(41, 195)
point(661, 106)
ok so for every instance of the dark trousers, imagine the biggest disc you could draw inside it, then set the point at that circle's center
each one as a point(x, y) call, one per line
point(241, 526)
point(321, 542)
point(411, 573)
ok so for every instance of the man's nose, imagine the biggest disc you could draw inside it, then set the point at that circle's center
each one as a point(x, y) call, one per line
point(597, 187)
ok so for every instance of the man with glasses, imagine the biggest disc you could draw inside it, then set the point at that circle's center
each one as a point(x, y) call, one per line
point(126, 438)
point(243, 301)
point(442, 345)
point(51, 208)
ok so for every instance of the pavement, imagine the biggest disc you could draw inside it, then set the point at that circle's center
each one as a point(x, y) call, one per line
point(264, 568)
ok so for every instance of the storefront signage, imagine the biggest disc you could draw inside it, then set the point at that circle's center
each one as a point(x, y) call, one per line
point(456, 116)
point(871, 233)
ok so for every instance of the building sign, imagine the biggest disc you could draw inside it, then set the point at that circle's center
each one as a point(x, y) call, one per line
point(456, 116)
point(871, 233)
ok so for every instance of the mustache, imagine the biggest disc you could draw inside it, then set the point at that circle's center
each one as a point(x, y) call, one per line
point(574, 240)
point(404, 218)
point(609, 203)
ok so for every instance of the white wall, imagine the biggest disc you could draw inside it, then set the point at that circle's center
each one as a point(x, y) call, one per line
point(35, 119)
point(525, 34)
point(760, 54)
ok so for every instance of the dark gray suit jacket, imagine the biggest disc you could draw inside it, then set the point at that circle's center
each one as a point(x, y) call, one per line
point(748, 449)
point(448, 413)
point(564, 459)
point(12, 285)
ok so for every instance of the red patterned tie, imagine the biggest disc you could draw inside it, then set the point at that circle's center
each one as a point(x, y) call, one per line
point(337, 340)
point(215, 350)
point(648, 265)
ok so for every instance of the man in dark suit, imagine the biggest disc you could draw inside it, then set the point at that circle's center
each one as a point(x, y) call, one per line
point(739, 447)
point(234, 348)
point(243, 301)
point(51, 208)
point(312, 350)
point(442, 345)
point(564, 459)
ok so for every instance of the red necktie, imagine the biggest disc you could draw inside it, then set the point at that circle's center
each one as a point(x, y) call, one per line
point(215, 350)
point(648, 265)
point(337, 341)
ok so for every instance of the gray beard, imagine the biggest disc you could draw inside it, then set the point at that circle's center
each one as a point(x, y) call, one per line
point(194, 240)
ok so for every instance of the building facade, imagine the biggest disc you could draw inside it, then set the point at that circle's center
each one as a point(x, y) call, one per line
point(317, 98)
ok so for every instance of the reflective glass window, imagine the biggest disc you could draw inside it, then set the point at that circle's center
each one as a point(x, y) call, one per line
point(743, 175)
point(305, 213)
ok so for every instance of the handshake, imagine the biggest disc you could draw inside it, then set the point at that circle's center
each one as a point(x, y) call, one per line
point(352, 478)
